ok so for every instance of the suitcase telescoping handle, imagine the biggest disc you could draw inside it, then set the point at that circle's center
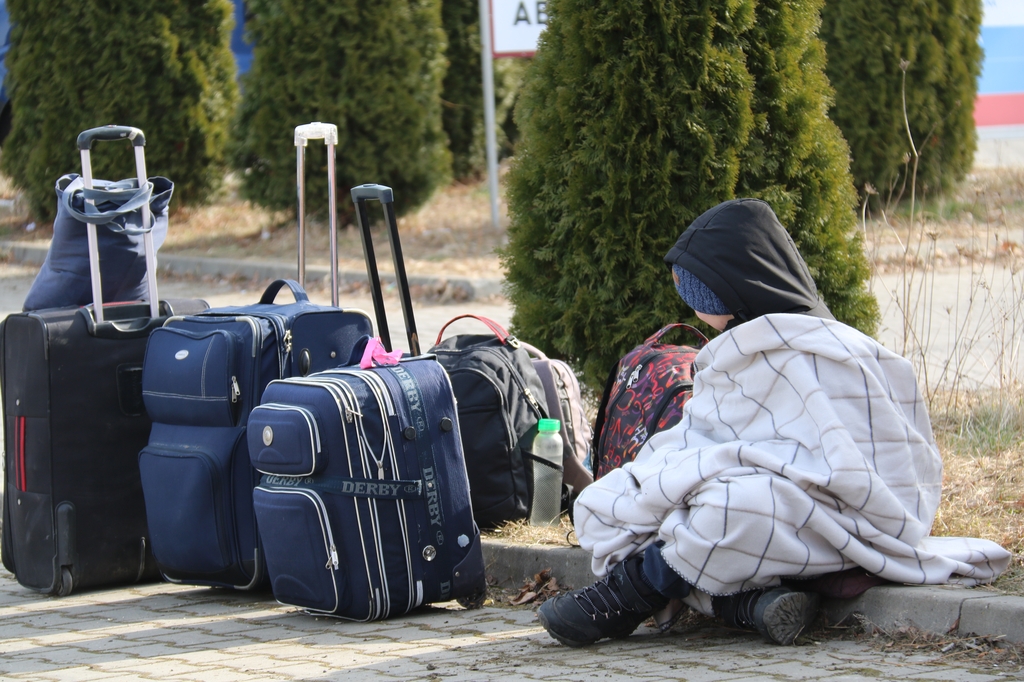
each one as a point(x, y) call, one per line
point(113, 133)
point(328, 132)
point(360, 195)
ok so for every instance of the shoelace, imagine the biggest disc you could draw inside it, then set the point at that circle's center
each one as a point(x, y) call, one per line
point(602, 601)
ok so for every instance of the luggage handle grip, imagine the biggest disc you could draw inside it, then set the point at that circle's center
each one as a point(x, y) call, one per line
point(271, 293)
point(496, 328)
point(381, 193)
point(111, 133)
point(328, 132)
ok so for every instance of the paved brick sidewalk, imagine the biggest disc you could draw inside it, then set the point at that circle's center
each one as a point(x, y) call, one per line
point(162, 631)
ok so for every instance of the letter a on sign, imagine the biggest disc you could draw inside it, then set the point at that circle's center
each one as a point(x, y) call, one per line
point(522, 14)
point(516, 26)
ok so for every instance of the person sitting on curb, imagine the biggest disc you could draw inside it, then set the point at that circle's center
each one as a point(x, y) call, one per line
point(805, 451)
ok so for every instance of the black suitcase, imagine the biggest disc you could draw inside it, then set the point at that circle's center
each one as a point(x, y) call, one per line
point(74, 422)
point(364, 508)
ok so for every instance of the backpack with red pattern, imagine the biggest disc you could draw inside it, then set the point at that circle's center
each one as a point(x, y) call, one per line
point(644, 394)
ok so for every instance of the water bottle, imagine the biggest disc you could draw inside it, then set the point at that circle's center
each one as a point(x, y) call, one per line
point(546, 474)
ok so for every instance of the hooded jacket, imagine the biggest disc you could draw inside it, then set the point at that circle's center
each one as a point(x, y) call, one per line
point(741, 251)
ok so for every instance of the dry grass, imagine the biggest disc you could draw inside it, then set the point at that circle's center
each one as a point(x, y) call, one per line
point(450, 235)
point(997, 656)
point(521, 533)
point(982, 443)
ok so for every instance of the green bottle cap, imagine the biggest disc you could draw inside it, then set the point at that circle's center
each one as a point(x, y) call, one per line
point(549, 425)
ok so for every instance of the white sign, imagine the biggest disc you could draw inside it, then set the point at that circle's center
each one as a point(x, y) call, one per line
point(516, 26)
point(1003, 13)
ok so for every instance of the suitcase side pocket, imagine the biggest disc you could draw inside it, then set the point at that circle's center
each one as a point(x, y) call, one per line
point(191, 378)
point(192, 537)
point(301, 555)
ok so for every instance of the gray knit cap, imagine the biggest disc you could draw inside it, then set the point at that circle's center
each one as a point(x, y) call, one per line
point(697, 295)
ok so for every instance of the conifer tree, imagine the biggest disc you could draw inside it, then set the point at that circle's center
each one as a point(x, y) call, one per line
point(166, 68)
point(868, 43)
point(374, 69)
point(635, 118)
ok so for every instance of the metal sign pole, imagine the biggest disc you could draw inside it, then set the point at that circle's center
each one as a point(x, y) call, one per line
point(490, 129)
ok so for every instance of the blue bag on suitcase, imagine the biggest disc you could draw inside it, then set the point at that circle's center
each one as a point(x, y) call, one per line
point(364, 504)
point(64, 278)
point(202, 376)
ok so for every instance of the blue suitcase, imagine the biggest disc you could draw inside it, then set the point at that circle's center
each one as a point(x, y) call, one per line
point(203, 374)
point(363, 506)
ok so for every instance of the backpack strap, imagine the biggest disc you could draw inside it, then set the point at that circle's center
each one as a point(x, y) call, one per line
point(599, 423)
point(693, 331)
point(499, 331)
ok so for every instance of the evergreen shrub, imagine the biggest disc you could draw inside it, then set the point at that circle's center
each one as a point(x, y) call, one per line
point(636, 117)
point(374, 69)
point(166, 68)
point(866, 41)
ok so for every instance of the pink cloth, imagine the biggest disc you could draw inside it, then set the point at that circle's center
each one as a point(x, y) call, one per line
point(376, 356)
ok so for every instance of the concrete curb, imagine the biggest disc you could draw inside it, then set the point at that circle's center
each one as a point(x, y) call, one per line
point(947, 610)
point(509, 565)
point(450, 288)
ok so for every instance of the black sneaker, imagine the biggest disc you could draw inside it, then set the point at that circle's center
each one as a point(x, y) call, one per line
point(779, 613)
point(614, 607)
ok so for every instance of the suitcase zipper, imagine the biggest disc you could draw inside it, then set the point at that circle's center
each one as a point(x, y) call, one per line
point(279, 322)
point(380, 390)
point(384, 403)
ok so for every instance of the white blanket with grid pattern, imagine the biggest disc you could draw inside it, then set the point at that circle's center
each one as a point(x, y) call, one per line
point(806, 449)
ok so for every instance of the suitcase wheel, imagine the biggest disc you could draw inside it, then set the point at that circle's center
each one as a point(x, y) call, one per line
point(473, 601)
point(67, 583)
